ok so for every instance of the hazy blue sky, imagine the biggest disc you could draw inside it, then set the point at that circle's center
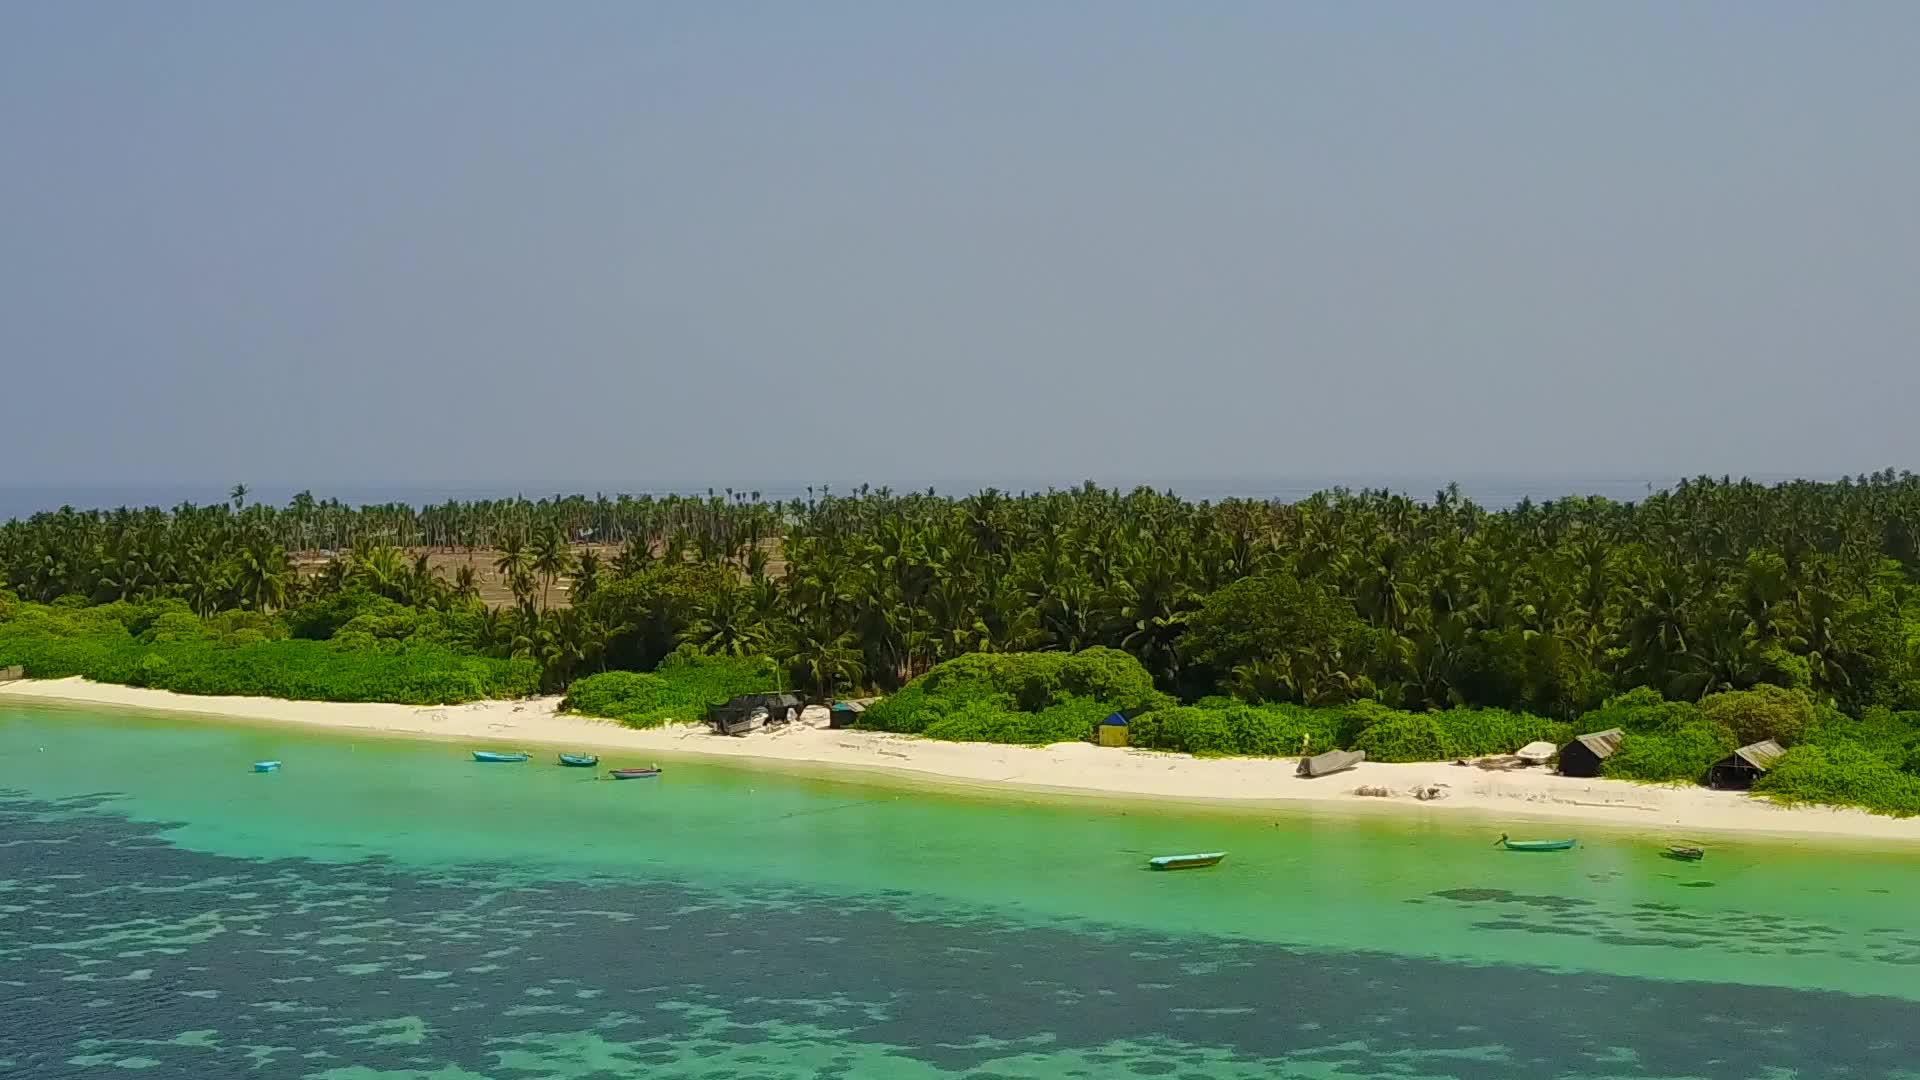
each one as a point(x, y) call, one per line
point(630, 244)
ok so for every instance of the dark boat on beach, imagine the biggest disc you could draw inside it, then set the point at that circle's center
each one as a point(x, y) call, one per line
point(633, 774)
point(579, 761)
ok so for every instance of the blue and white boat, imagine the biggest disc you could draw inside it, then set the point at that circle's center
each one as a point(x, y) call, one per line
point(495, 755)
point(266, 766)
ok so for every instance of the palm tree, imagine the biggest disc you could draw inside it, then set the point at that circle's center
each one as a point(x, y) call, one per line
point(466, 583)
point(826, 660)
point(586, 576)
point(551, 558)
point(261, 572)
point(514, 562)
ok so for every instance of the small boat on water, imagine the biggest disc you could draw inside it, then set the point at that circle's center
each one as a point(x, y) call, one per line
point(266, 766)
point(1186, 862)
point(1533, 845)
point(496, 755)
point(633, 774)
point(1685, 854)
point(579, 761)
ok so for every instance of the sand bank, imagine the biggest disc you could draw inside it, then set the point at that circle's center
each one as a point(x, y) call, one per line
point(1067, 767)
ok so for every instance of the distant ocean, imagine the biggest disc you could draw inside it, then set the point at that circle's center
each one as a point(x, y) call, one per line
point(1494, 491)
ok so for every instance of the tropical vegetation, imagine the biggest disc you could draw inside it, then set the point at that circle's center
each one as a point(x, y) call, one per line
point(1427, 626)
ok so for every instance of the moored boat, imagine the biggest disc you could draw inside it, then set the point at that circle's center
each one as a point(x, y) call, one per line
point(1534, 845)
point(579, 761)
point(496, 755)
point(1685, 854)
point(266, 766)
point(1186, 862)
point(633, 774)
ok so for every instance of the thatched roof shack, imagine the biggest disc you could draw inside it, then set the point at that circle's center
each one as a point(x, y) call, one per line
point(1738, 770)
point(1332, 761)
point(1582, 756)
point(747, 712)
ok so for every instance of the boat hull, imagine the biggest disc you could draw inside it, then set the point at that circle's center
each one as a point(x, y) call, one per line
point(1186, 862)
point(1684, 854)
point(494, 757)
point(633, 774)
point(579, 761)
point(1538, 845)
point(266, 766)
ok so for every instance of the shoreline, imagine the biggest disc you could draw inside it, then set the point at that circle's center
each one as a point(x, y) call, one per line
point(1066, 769)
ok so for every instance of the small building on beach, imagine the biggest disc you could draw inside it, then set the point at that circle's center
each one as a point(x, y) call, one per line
point(1112, 731)
point(1738, 770)
point(845, 714)
point(1582, 756)
point(750, 712)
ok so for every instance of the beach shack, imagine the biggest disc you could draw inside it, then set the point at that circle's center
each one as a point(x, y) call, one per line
point(1738, 770)
point(1582, 756)
point(845, 714)
point(750, 712)
point(1112, 731)
point(1332, 761)
point(10, 674)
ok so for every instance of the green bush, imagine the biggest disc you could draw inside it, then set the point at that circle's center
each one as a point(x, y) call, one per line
point(177, 626)
point(177, 652)
point(1406, 737)
point(1764, 712)
point(1894, 737)
point(321, 619)
point(1185, 729)
point(1016, 682)
point(1071, 719)
point(1682, 752)
point(1842, 774)
point(1277, 730)
point(679, 690)
point(1454, 733)
point(1640, 710)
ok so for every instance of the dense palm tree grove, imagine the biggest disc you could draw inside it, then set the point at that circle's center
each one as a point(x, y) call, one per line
point(1547, 607)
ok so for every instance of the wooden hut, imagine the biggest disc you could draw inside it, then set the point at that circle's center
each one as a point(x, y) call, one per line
point(1738, 770)
point(845, 714)
point(1112, 731)
point(1582, 756)
point(1332, 761)
point(10, 674)
point(750, 712)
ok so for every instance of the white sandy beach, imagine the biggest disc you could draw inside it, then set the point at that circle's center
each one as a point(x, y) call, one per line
point(1066, 767)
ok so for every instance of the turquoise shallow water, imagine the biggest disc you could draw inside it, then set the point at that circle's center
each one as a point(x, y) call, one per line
point(385, 908)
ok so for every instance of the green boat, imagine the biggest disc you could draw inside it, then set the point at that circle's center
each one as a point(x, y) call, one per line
point(1534, 845)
